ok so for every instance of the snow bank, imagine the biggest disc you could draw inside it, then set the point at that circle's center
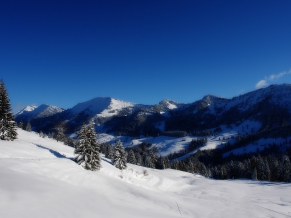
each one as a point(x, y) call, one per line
point(39, 179)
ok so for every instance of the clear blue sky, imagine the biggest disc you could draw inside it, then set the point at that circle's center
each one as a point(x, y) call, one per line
point(65, 52)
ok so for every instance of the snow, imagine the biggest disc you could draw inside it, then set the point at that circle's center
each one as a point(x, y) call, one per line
point(101, 107)
point(171, 105)
point(39, 179)
point(167, 145)
point(279, 95)
point(28, 108)
point(39, 111)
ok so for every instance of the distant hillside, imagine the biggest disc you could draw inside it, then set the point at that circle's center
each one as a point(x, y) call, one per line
point(269, 106)
point(33, 112)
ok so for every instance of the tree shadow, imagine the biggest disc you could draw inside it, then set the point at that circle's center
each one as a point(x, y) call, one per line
point(106, 160)
point(55, 153)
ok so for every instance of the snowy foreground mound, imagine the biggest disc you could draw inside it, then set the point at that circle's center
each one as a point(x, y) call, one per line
point(39, 179)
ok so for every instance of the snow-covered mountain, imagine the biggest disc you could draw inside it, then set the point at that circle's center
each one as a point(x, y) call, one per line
point(125, 118)
point(33, 112)
point(101, 107)
point(27, 109)
point(39, 179)
point(276, 94)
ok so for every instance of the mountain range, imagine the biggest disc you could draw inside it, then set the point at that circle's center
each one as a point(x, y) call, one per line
point(271, 106)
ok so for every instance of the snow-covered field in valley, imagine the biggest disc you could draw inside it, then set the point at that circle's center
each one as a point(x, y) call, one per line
point(39, 179)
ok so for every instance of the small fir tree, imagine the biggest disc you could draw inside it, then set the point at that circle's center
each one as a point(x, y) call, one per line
point(285, 170)
point(109, 152)
point(21, 125)
point(41, 134)
point(7, 123)
point(255, 174)
point(131, 157)
point(60, 129)
point(119, 159)
point(28, 127)
point(138, 158)
point(87, 149)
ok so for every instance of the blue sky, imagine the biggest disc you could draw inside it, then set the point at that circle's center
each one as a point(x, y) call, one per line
point(65, 52)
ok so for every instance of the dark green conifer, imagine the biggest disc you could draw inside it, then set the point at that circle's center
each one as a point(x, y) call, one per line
point(7, 123)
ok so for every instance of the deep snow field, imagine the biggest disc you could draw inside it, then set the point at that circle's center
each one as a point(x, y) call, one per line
point(39, 179)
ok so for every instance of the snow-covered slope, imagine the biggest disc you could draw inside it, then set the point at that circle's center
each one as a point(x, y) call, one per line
point(30, 112)
point(102, 107)
point(170, 105)
point(277, 94)
point(28, 108)
point(39, 179)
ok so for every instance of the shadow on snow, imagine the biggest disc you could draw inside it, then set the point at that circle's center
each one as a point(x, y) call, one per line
point(55, 153)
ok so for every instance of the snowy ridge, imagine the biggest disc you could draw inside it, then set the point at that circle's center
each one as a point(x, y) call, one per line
point(41, 111)
point(101, 106)
point(47, 110)
point(39, 179)
point(277, 94)
point(28, 108)
point(169, 104)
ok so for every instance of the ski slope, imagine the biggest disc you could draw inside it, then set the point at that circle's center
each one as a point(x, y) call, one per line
point(39, 179)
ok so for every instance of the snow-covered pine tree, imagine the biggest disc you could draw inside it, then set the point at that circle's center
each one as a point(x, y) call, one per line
point(109, 152)
point(285, 169)
point(138, 158)
point(60, 129)
point(149, 162)
point(41, 134)
point(28, 127)
point(7, 123)
point(131, 157)
point(175, 164)
point(255, 174)
point(20, 125)
point(87, 149)
point(119, 159)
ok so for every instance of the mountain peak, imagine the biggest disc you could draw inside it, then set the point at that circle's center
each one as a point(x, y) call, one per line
point(28, 108)
point(169, 104)
point(101, 106)
point(33, 111)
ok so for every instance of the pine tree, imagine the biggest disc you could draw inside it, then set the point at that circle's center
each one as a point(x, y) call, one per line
point(255, 175)
point(138, 158)
point(109, 153)
point(285, 170)
point(149, 162)
point(131, 157)
point(60, 132)
point(261, 171)
point(87, 149)
point(167, 163)
point(7, 123)
point(41, 134)
point(28, 127)
point(175, 164)
point(161, 163)
point(20, 125)
point(119, 160)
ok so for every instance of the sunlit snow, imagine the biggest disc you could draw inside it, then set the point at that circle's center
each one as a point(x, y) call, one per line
point(39, 179)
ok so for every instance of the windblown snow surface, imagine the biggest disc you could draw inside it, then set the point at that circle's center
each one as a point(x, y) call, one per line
point(39, 179)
